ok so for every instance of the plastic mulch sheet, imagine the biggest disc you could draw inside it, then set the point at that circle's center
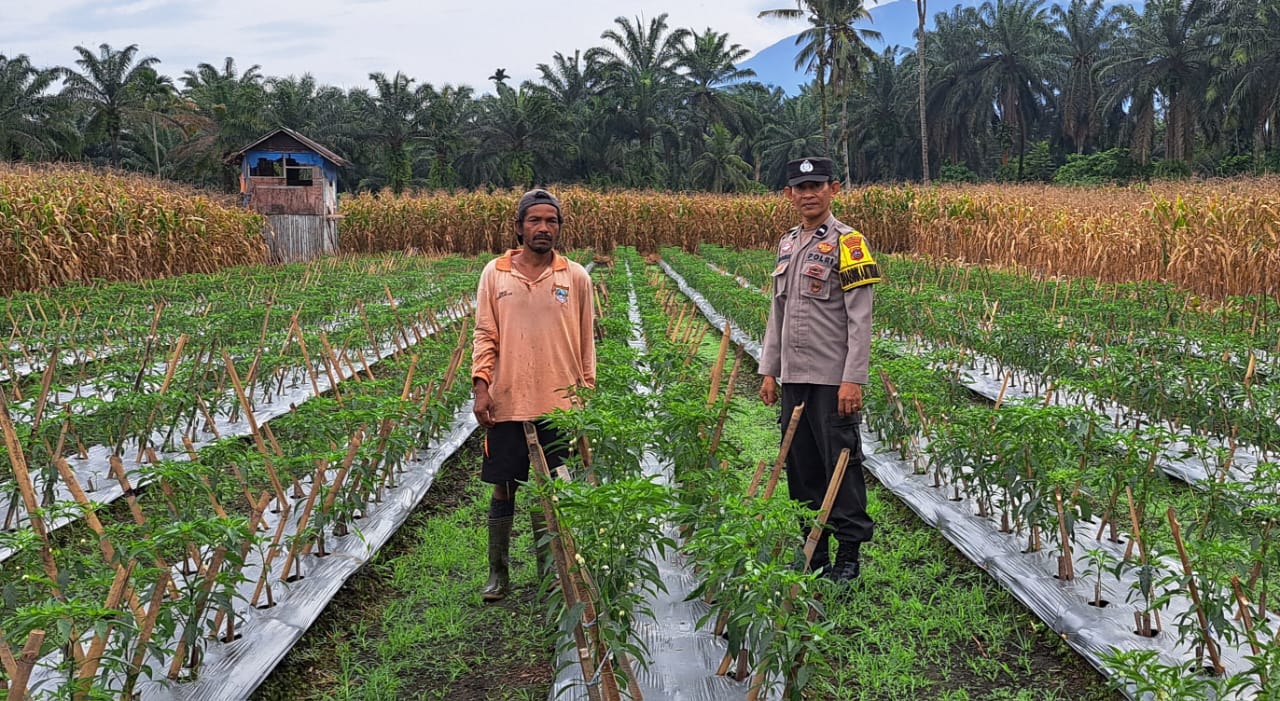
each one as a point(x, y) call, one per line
point(1063, 605)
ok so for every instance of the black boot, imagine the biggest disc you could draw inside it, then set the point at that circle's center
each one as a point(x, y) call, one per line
point(499, 559)
point(848, 566)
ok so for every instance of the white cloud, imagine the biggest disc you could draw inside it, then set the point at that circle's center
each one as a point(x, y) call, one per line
point(341, 42)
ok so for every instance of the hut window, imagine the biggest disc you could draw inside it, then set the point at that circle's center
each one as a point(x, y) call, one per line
point(267, 168)
point(299, 176)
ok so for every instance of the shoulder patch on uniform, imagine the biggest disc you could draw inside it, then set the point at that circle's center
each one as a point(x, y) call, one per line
point(857, 266)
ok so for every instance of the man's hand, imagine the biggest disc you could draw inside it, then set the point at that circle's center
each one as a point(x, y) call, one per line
point(848, 398)
point(769, 391)
point(483, 407)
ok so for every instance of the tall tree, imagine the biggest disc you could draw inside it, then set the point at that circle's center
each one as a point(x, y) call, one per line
point(1252, 75)
point(107, 85)
point(228, 112)
point(1019, 54)
point(638, 64)
point(25, 109)
point(1090, 29)
point(835, 49)
point(396, 112)
point(709, 62)
point(1169, 53)
point(720, 168)
point(923, 68)
point(521, 129)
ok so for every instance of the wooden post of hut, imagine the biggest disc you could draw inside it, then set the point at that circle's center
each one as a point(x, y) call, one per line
point(293, 181)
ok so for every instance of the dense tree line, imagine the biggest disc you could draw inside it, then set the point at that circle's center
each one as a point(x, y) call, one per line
point(1012, 89)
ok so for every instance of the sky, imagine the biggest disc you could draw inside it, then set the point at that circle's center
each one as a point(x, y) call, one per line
point(341, 42)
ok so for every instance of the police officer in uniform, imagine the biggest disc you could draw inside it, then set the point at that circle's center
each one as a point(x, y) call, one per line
point(817, 345)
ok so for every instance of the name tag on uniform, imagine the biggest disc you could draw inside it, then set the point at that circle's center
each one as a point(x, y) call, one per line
point(817, 271)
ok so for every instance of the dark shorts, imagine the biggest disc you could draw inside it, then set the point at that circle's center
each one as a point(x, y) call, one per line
point(506, 452)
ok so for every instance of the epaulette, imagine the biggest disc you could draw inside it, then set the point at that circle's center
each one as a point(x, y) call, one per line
point(857, 266)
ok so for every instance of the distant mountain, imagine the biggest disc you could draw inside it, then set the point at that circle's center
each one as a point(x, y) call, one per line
point(896, 21)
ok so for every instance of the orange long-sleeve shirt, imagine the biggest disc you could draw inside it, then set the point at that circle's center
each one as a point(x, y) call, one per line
point(533, 338)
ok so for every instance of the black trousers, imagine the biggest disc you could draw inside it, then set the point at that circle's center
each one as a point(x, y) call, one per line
point(811, 462)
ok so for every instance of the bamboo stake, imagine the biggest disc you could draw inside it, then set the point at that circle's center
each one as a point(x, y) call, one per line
point(561, 559)
point(787, 437)
point(19, 668)
point(316, 483)
point(23, 477)
point(718, 368)
point(1194, 592)
point(253, 429)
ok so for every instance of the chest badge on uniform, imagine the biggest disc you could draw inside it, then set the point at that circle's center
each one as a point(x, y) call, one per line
point(786, 247)
point(562, 294)
point(815, 287)
point(816, 270)
point(826, 247)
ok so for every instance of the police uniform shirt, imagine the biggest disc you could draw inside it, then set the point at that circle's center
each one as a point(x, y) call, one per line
point(819, 328)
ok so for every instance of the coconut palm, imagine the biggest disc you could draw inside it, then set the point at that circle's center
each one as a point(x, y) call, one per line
point(835, 49)
point(107, 85)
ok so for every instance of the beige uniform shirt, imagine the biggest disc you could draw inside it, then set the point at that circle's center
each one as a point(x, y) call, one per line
point(819, 328)
point(534, 338)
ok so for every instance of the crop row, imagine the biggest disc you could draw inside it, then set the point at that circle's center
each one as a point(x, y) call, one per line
point(1202, 559)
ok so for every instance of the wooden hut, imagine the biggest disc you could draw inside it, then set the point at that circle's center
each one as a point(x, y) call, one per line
point(293, 181)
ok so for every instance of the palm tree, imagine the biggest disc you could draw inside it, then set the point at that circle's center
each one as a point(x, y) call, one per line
point(227, 112)
point(1090, 29)
point(521, 128)
point(445, 131)
point(108, 88)
point(720, 168)
point(710, 62)
point(922, 68)
point(1019, 55)
point(638, 65)
point(881, 117)
point(1168, 53)
point(25, 108)
point(1252, 76)
point(953, 90)
point(834, 49)
point(796, 134)
point(396, 113)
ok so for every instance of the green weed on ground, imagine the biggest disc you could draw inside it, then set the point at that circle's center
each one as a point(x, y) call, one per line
point(411, 624)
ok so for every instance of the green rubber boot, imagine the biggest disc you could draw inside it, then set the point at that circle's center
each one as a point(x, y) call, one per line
point(499, 583)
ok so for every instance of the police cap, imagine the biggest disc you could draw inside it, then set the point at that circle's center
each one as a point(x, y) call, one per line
point(809, 170)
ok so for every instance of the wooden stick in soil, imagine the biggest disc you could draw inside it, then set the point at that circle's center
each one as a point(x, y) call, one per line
point(119, 585)
point(724, 409)
point(145, 631)
point(18, 460)
point(200, 603)
point(19, 668)
point(353, 446)
point(170, 368)
point(1247, 619)
point(718, 368)
point(560, 557)
point(257, 435)
point(1066, 569)
point(257, 512)
point(317, 483)
point(295, 331)
point(1194, 592)
point(783, 450)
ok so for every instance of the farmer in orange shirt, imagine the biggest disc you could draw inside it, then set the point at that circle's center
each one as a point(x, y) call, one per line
point(533, 346)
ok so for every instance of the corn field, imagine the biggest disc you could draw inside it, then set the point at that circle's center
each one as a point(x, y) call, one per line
point(61, 225)
point(1213, 238)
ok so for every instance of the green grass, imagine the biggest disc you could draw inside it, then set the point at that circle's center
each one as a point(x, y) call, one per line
point(412, 625)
